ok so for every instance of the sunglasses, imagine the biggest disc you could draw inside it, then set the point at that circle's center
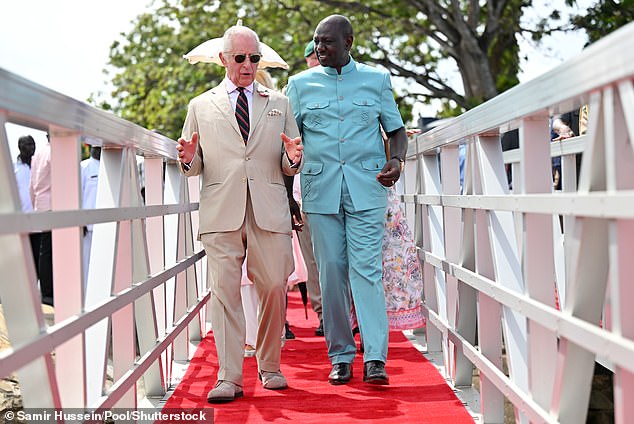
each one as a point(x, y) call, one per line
point(253, 57)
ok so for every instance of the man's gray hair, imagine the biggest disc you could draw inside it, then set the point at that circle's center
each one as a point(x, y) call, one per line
point(231, 32)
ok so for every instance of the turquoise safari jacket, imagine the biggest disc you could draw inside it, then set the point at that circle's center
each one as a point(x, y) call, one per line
point(340, 119)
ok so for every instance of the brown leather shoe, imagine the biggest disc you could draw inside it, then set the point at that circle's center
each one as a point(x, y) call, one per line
point(341, 373)
point(224, 391)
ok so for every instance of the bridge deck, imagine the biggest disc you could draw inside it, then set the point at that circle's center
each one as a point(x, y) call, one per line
point(417, 391)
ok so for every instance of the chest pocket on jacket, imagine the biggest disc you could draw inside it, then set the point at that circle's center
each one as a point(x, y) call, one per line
point(316, 113)
point(365, 110)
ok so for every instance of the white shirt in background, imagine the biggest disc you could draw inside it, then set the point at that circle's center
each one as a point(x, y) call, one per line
point(23, 179)
point(89, 178)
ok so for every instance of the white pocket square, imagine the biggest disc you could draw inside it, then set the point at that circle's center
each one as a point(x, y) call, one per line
point(274, 112)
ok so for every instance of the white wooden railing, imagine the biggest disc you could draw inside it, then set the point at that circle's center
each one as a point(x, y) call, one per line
point(146, 289)
point(494, 258)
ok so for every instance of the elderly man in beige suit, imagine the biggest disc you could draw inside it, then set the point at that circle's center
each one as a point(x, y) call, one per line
point(243, 138)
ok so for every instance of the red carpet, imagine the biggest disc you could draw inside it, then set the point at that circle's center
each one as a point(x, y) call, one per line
point(416, 394)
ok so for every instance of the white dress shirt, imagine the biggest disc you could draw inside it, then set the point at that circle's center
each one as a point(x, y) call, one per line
point(233, 92)
point(23, 178)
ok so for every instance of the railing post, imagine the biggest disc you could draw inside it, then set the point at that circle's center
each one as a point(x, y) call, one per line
point(67, 263)
point(539, 266)
point(145, 322)
point(101, 274)
point(175, 240)
point(450, 172)
point(153, 173)
point(21, 300)
point(622, 291)
point(589, 270)
point(434, 284)
point(506, 264)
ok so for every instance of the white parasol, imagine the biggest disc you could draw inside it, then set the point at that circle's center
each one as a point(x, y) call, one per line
point(209, 52)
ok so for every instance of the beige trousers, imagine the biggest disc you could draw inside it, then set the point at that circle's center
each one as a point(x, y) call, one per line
point(269, 265)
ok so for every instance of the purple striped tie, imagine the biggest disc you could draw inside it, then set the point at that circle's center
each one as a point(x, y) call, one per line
point(242, 114)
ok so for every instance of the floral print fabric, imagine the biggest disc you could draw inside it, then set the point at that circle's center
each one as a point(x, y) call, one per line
point(402, 274)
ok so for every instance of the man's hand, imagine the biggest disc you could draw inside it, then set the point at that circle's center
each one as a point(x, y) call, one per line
point(562, 130)
point(187, 148)
point(293, 147)
point(296, 214)
point(411, 131)
point(390, 173)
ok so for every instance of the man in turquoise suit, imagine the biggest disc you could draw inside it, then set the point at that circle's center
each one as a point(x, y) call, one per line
point(340, 108)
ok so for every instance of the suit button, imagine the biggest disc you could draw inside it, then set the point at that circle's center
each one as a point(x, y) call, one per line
point(343, 162)
point(244, 180)
point(247, 158)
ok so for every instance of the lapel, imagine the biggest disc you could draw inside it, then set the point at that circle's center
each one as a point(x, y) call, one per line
point(220, 99)
point(261, 97)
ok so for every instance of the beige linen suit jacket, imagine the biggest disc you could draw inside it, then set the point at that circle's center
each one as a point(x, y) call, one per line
point(229, 167)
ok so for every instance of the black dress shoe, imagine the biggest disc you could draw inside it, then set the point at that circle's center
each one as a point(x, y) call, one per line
point(374, 373)
point(320, 330)
point(288, 334)
point(341, 373)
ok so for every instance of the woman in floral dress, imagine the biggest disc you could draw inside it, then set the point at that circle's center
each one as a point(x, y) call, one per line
point(402, 274)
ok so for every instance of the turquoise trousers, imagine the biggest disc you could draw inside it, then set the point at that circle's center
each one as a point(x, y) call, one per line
point(348, 251)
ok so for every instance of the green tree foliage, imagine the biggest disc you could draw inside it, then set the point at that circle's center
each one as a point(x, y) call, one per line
point(604, 17)
point(416, 40)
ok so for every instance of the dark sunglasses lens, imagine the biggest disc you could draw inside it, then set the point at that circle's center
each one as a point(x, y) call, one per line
point(255, 58)
point(239, 58)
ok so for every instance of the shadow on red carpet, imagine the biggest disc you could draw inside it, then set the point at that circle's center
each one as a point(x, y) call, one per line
point(417, 393)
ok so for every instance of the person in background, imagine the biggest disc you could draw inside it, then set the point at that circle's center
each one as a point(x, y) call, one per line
point(310, 55)
point(402, 271)
point(40, 189)
point(22, 170)
point(560, 129)
point(89, 179)
point(263, 77)
point(242, 138)
point(303, 234)
point(340, 108)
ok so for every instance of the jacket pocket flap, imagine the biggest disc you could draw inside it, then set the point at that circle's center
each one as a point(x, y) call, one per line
point(312, 168)
point(318, 104)
point(373, 164)
point(363, 102)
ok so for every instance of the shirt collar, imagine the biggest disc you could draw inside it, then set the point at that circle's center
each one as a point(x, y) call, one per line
point(349, 67)
point(232, 87)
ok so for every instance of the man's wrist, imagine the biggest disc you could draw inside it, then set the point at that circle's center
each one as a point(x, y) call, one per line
point(293, 163)
point(187, 166)
point(401, 162)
